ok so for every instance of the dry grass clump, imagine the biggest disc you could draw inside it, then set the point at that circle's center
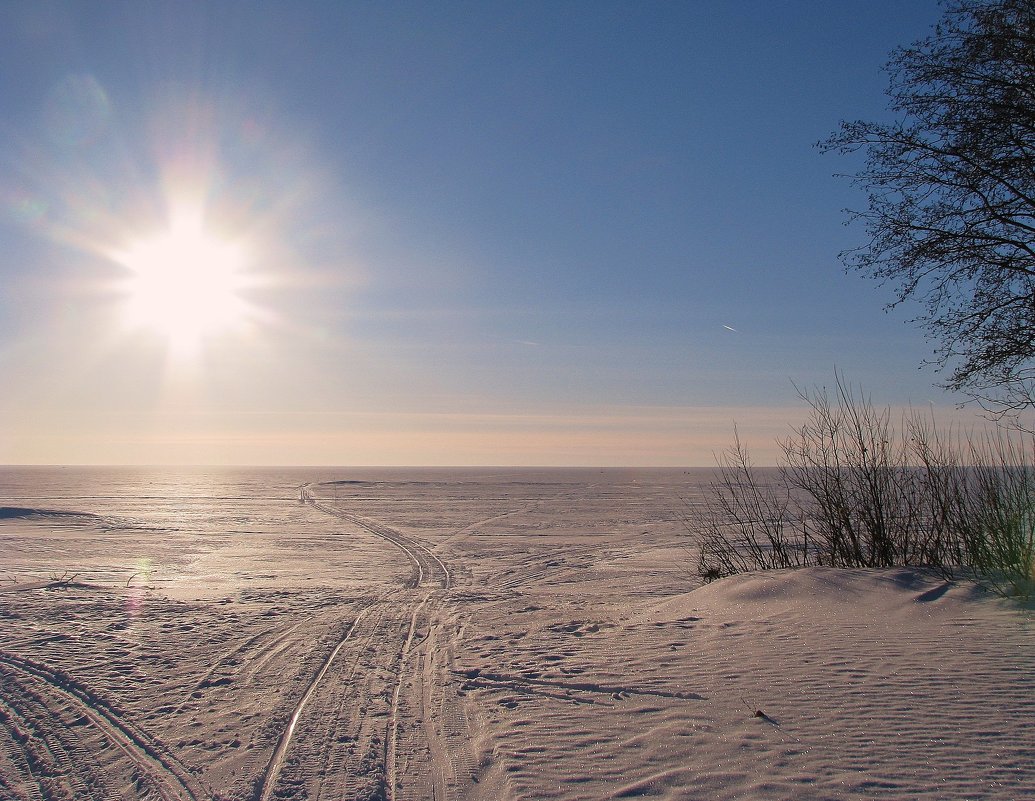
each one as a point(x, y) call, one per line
point(852, 490)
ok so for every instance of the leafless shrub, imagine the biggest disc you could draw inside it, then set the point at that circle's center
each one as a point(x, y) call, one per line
point(66, 579)
point(852, 490)
point(747, 522)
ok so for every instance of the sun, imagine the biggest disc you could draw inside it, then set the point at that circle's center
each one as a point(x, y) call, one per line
point(184, 283)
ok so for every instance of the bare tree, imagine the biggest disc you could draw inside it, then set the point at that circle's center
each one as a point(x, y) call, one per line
point(951, 185)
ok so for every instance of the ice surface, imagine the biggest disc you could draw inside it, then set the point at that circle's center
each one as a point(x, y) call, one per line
point(472, 634)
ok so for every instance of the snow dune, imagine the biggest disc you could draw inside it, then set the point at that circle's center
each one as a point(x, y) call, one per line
point(816, 683)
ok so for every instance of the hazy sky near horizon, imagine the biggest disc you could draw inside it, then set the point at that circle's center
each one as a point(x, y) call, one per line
point(463, 233)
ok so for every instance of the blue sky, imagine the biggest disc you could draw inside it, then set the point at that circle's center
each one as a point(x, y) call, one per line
point(476, 233)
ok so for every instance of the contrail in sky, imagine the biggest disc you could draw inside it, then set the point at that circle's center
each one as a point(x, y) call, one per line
point(729, 328)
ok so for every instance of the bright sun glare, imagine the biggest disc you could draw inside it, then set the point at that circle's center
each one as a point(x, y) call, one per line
point(184, 283)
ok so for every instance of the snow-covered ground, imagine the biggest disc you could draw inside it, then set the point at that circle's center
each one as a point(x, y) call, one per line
point(473, 634)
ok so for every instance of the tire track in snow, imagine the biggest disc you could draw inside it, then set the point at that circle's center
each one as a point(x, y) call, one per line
point(269, 781)
point(428, 569)
point(149, 755)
